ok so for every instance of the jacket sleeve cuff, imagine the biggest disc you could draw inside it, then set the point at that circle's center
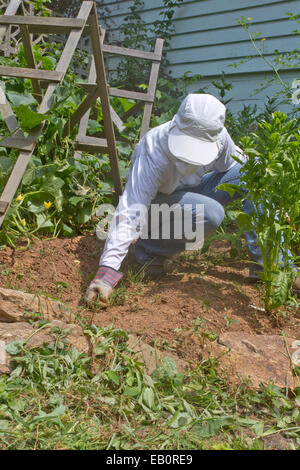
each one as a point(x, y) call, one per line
point(109, 275)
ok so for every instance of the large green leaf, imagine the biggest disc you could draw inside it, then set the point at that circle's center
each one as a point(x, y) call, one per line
point(57, 413)
point(19, 99)
point(181, 419)
point(85, 214)
point(43, 221)
point(29, 175)
point(36, 207)
point(94, 126)
point(148, 397)
point(212, 426)
point(243, 219)
point(29, 119)
point(74, 200)
point(52, 184)
point(58, 199)
point(131, 391)
point(281, 285)
point(15, 348)
point(231, 189)
point(113, 376)
point(67, 231)
point(5, 163)
point(126, 104)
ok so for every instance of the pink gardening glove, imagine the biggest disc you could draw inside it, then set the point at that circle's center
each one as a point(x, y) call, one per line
point(104, 283)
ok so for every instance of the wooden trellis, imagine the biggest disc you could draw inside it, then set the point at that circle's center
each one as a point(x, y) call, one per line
point(10, 35)
point(86, 23)
point(94, 144)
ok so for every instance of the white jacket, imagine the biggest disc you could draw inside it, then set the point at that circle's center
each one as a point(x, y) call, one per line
point(155, 170)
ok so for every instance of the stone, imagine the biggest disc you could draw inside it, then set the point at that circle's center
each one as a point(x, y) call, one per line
point(14, 304)
point(151, 357)
point(10, 332)
point(262, 358)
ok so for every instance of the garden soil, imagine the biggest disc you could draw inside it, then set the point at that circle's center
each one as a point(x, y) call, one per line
point(201, 297)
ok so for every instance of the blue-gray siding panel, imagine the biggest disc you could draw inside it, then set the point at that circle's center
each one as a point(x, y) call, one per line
point(206, 7)
point(230, 51)
point(242, 92)
point(232, 34)
point(208, 39)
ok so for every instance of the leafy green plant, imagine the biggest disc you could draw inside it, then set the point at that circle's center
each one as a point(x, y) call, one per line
point(60, 192)
point(270, 181)
point(59, 398)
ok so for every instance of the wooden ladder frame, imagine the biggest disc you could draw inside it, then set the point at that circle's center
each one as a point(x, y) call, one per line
point(89, 144)
point(86, 23)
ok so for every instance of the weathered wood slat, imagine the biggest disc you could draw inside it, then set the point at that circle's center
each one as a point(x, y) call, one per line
point(119, 92)
point(67, 23)
point(87, 146)
point(17, 143)
point(67, 54)
point(91, 79)
point(50, 29)
point(133, 95)
point(3, 206)
point(139, 54)
point(15, 180)
point(30, 59)
point(87, 87)
point(91, 144)
point(152, 88)
point(103, 90)
point(20, 72)
point(9, 117)
point(82, 110)
point(85, 119)
point(117, 120)
point(12, 8)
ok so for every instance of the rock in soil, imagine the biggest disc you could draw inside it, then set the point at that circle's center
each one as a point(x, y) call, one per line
point(151, 357)
point(263, 358)
point(14, 304)
point(10, 332)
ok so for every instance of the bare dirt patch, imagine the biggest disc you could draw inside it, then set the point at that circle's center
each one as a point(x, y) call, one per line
point(201, 297)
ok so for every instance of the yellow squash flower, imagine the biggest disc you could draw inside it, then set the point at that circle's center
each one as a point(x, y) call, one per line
point(20, 197)
point(48, 204)
point(23, 222)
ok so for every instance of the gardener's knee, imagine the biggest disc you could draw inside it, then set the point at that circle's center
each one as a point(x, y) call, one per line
point(213, 217)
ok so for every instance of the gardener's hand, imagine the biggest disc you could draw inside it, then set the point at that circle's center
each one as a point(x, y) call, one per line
point(105, 281)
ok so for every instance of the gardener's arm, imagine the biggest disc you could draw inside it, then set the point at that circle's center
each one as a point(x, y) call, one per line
point(131, 215)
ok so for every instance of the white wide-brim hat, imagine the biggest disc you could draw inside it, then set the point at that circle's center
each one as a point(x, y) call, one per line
point(195, 131)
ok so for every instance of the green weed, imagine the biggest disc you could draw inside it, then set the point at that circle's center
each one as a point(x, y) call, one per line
point(58, 398)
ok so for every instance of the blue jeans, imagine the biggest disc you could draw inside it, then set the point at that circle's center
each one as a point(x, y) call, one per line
point(156, 251)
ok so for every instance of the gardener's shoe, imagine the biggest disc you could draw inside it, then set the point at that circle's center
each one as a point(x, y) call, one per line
point(152, 270)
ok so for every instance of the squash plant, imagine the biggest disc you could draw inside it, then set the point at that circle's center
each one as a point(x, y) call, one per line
point(59, 193)
point(270, 181)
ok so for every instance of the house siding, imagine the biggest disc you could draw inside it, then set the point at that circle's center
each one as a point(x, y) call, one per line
point(208, 40)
